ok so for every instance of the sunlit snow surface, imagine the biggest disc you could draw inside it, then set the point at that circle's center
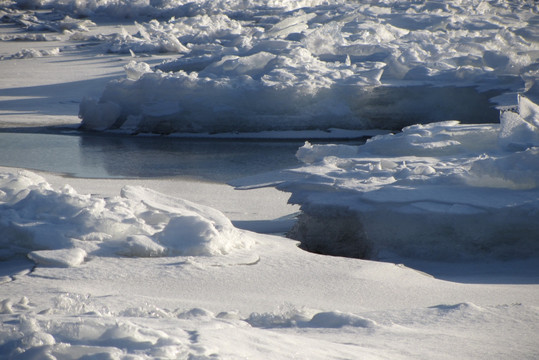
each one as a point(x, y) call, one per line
point(143, 275)
point(44, 222)
point(275, 65)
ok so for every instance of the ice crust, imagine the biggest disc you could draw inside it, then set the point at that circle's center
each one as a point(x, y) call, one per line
point(442, 190)
point(62, 227)
point(240, 66)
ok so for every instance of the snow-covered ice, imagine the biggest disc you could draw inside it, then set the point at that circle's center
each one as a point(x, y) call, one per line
point(272, 66)
point(172, 268)
point(283, 65)
point(442, 190)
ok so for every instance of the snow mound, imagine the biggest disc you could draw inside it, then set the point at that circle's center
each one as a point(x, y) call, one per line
point(28, 37)
point(255, 66)
point(442, 190)
point(73, 327)
point(337, 319)
point(192, 229)
point(294, 317)
point(62, 227)
point(32, 53)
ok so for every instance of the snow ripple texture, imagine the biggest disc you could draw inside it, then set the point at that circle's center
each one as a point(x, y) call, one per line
point(274, 65)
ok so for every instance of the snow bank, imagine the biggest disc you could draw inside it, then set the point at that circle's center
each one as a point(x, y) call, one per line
point(63, 228)
point(442, 190)
point(254, 66)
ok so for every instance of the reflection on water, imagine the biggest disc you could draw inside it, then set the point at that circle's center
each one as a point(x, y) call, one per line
point(106, 156)
point(207, 159)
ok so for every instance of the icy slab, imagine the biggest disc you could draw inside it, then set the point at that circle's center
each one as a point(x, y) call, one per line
point(28, 37)
point(62, 257)
point(258, 66)
point(62, 227)
point(520, 131)
point(442, 190)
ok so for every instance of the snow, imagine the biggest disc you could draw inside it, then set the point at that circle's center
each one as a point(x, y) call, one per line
point(438, 191)
point(122, 294)
point(62, 257)
point(30, 53)
point(344, 62)
point(243, 305)
point(171, 267)
point(140, 222)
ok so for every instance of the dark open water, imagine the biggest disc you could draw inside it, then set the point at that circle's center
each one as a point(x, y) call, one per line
point(122, 156)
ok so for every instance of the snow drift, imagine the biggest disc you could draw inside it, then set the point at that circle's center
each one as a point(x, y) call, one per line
point(442, 190)
point(63, 228)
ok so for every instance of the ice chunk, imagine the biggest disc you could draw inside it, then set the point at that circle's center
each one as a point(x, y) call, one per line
point(32, 53)
point(296, 24)
point(251, 65)
point(515, 171)
point(520, 129)
point(62, 258)
point(134, 70)
point(98, 116)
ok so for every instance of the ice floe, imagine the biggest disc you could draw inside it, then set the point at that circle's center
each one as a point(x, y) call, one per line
point(441, 190)
point(244, 66)
point(255, 66)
